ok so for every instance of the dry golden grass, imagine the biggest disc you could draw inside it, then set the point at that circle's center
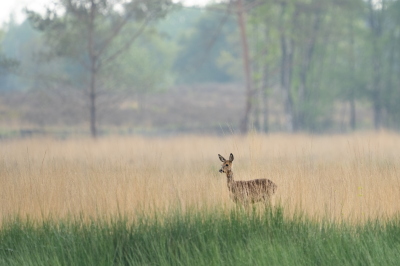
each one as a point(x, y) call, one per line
point(347, 176)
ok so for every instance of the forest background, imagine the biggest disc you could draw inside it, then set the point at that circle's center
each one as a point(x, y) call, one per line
point(160, 67)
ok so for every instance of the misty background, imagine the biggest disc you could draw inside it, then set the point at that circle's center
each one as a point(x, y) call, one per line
point(159, 67)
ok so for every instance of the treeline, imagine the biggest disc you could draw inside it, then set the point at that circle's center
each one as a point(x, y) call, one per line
point(318, 54)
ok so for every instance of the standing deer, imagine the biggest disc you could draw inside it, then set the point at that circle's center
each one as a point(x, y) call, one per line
point(246, 192)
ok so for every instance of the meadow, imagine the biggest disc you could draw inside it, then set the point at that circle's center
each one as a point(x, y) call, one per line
point(162, 201)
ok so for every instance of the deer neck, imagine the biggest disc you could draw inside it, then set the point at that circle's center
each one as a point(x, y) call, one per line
point(229, 176)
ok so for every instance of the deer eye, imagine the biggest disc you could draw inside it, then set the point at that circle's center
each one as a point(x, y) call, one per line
point(226, 165)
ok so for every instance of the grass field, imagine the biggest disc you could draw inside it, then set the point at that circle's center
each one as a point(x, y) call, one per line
point(350, 176)
point(201, 238)
point(159, 201)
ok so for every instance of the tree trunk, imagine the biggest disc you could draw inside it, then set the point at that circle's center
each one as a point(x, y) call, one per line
point(288, 82)
point(263, 116)
point(92, 95)
point(389, 87)
point(353, 83)
point(263, 101)
point(93, 72)
point(353, 124)
point(246, 63)
point(286, 75)
point(263, 96)
point(286, 86)
point(266, 109)
point(258, 81)
point(376, 90)
point(376, 79)
point(301, 112)
point(260, 114)
point(286, 64)
point(376, 94)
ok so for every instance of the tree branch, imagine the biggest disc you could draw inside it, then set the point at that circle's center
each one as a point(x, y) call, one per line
point(126, 46)
point(115, 33)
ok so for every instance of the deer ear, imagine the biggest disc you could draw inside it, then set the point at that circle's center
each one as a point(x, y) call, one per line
point(221, 158)
point(231, 157)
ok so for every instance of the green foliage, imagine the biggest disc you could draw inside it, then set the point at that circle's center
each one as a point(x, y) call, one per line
point(7, 65)
point(57, 54)
point(200, 238)
point(24, 44)
point(110, 54)
point(181, 20)
point(339, 56)
point(204, 48)
point(145, 66)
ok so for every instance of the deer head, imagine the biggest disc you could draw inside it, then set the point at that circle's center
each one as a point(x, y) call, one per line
point(226, 164)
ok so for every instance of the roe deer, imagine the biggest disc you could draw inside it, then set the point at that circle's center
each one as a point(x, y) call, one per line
point(246, 192)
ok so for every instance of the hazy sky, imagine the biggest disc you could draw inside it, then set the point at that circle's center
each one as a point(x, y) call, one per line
point(16, 6)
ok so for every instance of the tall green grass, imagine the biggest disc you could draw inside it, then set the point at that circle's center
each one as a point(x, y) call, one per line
point(208, 237)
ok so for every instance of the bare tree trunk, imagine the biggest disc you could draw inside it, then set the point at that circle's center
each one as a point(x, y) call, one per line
point(353, 70)
point(376, 91)
point(93, 72)
point(288, 84)
point(92, 96)
point(246, 63)
point(266, 108)
point(389, 81)
point(258, 60)
point(286, 72)
point(263, 118)
point(286, 62)
point(262, 101)
point(285, 86)
point(376, 83)
point(353, 124)
point(259, 104)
